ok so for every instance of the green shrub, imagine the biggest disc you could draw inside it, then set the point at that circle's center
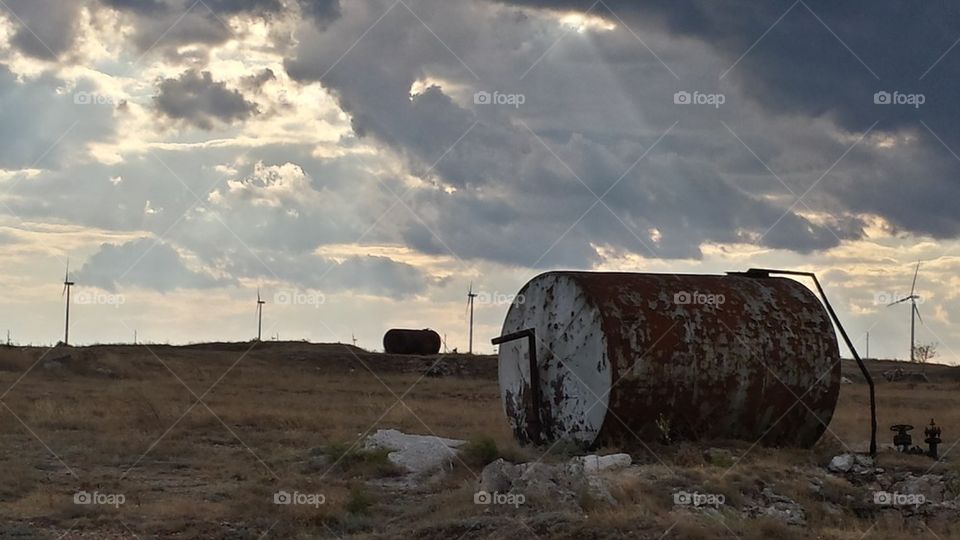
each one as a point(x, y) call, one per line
point(479, 451)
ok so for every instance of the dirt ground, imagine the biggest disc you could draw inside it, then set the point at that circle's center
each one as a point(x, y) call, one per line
point(196, 442)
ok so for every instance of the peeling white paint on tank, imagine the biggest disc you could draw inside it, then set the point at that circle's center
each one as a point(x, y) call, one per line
point(575, 373)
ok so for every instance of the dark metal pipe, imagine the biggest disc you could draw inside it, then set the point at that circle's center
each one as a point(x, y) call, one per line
point(765, 272)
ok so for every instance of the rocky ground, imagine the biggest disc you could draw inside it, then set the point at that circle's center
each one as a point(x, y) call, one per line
point(297, 440)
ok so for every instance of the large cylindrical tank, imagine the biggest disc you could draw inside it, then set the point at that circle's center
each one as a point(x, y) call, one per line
point(406, 341)
point(625, 357)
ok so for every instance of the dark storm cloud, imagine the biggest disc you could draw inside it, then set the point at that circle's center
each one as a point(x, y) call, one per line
point(166, 26)
point(829, 59)
point(821, 57)
point(587, 131)
point(142, 263)
point(197, 99)
point(371, 275)
point(231, 7)
point(143, 7)
point(321, 11)
point(44, 29)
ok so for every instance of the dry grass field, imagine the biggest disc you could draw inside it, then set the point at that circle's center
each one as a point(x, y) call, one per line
point(199, 439)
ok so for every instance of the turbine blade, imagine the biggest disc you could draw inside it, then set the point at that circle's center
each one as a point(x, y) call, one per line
point(898, 301)
point(917, 311)
point(915, 272)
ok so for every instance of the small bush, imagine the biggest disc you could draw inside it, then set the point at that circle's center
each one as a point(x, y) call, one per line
point(360, 461)
point(479, 451)
point(359, 502)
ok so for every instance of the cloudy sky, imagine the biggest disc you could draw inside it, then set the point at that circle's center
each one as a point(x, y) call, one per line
point(363, 162)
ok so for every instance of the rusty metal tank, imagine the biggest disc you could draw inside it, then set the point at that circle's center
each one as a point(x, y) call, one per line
point(702, 356)
point(406, 341)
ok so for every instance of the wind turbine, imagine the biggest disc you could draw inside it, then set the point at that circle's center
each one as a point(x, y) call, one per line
point(470, 296)
point(914, 312)
point(260, 304)
point(66, 292)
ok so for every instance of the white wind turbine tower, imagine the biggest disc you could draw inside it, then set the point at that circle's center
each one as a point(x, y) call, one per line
point(260, 304)
point(470, 296)
point(66, 292)
point(914, 312)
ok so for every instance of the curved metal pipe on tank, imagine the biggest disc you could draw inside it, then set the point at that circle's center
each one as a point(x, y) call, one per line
point(408, 341)
point(623, 357)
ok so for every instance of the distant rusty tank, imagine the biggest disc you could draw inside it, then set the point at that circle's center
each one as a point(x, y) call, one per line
point(624, 358)
point(405, 341)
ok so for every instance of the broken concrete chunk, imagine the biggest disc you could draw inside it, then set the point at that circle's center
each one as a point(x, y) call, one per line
point(416, 453)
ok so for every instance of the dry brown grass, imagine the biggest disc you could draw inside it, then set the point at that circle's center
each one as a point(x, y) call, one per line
point(121, 422)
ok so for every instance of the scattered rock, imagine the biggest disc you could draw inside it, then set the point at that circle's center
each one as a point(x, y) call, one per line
point(718, 456)
point(779, 507)
point(931, 486)
point(853, 464)
point(594, 463)
point(418, 454)
point(561, 484)
point(841, 464)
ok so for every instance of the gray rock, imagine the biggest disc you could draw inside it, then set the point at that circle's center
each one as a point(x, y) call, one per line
point(931, 486)
point(842, 463)
point(776, 506)
point(498, 477)
point(593, 463)
point(561, 484)
point(852, 463)
point(418, 454)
